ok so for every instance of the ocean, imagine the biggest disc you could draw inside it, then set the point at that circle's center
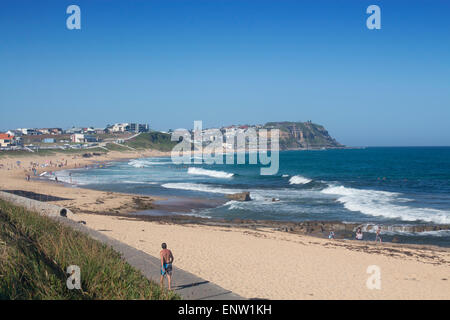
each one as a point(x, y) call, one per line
point(395, 187)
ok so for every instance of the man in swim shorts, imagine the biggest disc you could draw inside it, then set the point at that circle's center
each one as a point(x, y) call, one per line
point(166, 265)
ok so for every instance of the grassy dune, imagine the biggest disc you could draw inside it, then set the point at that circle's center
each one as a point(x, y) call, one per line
point(152, 140)
point(35, 252)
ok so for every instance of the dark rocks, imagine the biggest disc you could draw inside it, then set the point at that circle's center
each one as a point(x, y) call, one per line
point(242, 196)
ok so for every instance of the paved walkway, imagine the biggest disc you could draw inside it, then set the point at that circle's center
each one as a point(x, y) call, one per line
point(189, 286)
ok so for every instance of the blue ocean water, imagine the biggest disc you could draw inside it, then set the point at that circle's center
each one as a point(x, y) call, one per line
point(398, 186)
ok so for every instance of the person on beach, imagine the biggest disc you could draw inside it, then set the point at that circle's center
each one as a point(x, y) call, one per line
point(331, 235)
point(166, 265)
point(378, 234)
point(359, 234)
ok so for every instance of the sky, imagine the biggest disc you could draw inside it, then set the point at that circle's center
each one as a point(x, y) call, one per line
point(168, 63)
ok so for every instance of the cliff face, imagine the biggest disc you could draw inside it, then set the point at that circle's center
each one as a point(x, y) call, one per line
point(303, 135)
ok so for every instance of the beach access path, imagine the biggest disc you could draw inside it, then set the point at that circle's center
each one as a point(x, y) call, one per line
point(188, 285)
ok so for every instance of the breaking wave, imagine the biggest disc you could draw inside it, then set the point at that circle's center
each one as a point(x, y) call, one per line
point(299, 180)
point(383, 203)
point(210, 173)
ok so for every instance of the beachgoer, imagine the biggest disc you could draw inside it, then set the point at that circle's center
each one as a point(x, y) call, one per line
point(378, 234)
point(359, 234)
point(166, 265)
point(331, 235)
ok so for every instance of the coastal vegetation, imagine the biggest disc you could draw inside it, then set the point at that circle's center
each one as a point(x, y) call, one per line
point(152, 140)
point(35, 252)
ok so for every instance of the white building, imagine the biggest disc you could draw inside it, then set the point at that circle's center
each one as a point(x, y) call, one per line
point(119, 127)
point(82, 138)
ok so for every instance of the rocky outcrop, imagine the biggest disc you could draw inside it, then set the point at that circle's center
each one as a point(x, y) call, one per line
point(303, 135)
point(242, 196)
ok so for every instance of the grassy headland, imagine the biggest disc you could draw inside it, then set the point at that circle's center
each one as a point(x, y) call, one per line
point(152, 140)
point(35, 252)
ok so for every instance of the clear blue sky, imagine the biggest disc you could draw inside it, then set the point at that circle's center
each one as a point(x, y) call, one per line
point(169, 63)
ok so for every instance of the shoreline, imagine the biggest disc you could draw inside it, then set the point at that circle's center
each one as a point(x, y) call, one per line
point(150, 207)
point(243, 255)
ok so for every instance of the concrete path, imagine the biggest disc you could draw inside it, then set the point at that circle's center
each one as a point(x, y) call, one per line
point(189, 286)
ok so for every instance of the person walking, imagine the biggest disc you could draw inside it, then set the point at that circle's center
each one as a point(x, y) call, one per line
point(166, 265)
point(378, 235)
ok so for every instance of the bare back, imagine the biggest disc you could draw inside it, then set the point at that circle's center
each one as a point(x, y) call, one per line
point(166, 256)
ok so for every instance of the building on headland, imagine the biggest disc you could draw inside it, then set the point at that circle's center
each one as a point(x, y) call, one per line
point(7, 140)
point(29, 132)
point(128, 127)
point(99, 130)
point(15, 133)
point(82, 138)
point(53, 131)
point(138, 127)
point(74, 130)
point(118, 128)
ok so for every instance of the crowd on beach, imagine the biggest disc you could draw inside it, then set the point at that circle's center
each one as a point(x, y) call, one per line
point(359, 235)
point(35, 168)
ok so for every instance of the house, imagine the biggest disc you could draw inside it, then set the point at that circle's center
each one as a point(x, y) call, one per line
point(15, 133)
point(74, 130)
point(138, 127)
point(82, 138)
point(56, 131)
point(99, 131)
point(89, 130)
point(119, 127)
point(29, 132)
point(128, 127)
point(7, 140)
point(43, 131)
point(53, 131)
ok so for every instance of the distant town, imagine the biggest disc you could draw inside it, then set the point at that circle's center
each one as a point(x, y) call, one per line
point(85, 137)
point(49, 138)
point(293, 135)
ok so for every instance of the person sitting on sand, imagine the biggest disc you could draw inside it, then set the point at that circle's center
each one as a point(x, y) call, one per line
point(331, 235)
point(359, 234)
point(166, 265)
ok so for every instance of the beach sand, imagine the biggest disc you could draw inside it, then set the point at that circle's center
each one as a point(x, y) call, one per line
point(255, 263)
point(278, 265)
point(13, 177)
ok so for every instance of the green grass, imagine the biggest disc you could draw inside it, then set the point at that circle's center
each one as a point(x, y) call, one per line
point(35, 252)
point(116, 147)
point(152, 140)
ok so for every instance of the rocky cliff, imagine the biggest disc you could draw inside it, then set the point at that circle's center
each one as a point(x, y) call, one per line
point(303, 135)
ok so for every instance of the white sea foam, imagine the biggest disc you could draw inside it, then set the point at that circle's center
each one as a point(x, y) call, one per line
point(299, 180)
point(210, 173)
point(143, 163)
point(199, 187)
point(383, 203)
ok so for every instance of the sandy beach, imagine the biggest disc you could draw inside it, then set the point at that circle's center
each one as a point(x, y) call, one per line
point(255, 263)
point(13, 177)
